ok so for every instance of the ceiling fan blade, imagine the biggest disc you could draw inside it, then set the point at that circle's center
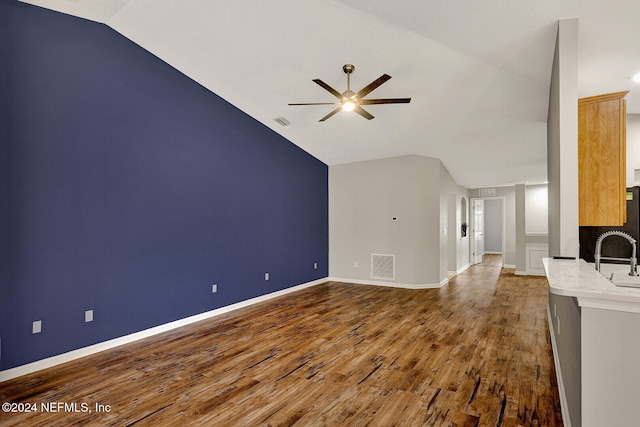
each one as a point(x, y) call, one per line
point(385, 101)
point(362, 112)
point(330, 114)
point(373, 85)
point(318, 103)
point(329, 88)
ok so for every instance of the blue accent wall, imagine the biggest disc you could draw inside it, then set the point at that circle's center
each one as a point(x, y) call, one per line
point(129, 189)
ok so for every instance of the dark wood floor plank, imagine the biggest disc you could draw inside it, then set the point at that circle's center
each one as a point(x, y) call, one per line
point(474, 353)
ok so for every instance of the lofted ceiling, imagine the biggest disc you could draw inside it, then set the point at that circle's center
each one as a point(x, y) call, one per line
point(478, 72)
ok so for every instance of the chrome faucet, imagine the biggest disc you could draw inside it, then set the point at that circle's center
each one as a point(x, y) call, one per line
point(633, 261)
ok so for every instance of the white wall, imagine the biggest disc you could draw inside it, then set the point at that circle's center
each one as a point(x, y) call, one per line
point(536, 209)
point(633, 149)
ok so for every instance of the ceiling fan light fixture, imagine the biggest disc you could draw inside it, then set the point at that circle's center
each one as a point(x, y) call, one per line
point(348, 106)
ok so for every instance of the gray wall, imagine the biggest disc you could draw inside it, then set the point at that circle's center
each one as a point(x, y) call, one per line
point(364, 197)
point(521, 236)
point(452, 211)
point(562, 173)
point(493, 225)
point(536, 209)
point(449, 191)
point(562, 143)
point(566, 329)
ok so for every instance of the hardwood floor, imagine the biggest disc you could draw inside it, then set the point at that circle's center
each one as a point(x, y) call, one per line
point(491, 260)
point(474, 353)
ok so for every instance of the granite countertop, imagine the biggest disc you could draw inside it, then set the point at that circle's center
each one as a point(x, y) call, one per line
point(577, 278)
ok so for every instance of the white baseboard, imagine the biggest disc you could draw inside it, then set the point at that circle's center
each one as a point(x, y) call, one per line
point(463, 269)
point(391, 284)
point(492, 253)
point(509, 266)
point(106, 345)
point(566, 420)
point(455, 273)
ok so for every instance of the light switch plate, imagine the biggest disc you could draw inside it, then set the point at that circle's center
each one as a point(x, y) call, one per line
point(36, 328)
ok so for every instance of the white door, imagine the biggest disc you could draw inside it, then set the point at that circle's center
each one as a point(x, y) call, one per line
point(478, 231)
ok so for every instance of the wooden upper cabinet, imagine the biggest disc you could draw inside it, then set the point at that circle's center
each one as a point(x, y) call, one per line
point(602, 160)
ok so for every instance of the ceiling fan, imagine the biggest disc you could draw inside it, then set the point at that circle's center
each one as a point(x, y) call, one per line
point(353, 101)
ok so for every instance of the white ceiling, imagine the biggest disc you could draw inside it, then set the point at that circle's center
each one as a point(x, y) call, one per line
point(478, 72)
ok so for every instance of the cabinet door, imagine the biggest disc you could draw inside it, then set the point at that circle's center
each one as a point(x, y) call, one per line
point(602, 160)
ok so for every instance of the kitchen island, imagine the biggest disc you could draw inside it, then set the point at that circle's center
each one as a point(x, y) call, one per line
point(595, 333)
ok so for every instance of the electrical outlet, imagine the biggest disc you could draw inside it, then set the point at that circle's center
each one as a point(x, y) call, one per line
point(88, 316)
point(36, 327)
point(214, 288)
point(266, 276)
point(315, 265)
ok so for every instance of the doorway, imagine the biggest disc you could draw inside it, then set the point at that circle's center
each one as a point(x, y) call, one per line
point(478, 231)
point(487, 230)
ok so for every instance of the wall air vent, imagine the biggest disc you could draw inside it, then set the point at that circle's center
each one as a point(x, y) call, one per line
point(486, 192)
point(282, 121)
point(383, 266)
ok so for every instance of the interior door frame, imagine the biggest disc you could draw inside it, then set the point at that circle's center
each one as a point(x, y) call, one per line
point(472, 226)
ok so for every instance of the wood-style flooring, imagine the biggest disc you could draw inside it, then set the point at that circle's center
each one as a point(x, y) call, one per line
point(474, 353)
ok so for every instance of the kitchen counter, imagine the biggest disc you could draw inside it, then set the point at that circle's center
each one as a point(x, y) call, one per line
point(577, 278)
point(595, 335)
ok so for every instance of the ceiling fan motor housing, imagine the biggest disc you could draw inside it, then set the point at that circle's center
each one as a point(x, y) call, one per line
point(348, 68)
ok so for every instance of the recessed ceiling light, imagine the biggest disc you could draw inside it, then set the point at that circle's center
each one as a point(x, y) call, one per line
point(636, 78)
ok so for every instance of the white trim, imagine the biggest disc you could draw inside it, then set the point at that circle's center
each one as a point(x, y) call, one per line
point(532, 253)
point(391, 284)
point(564, 407)
point(521, 273)
point(492, 253)
point(463, 268)
point(106, 345)
point(509, 266)
point(455, 273)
